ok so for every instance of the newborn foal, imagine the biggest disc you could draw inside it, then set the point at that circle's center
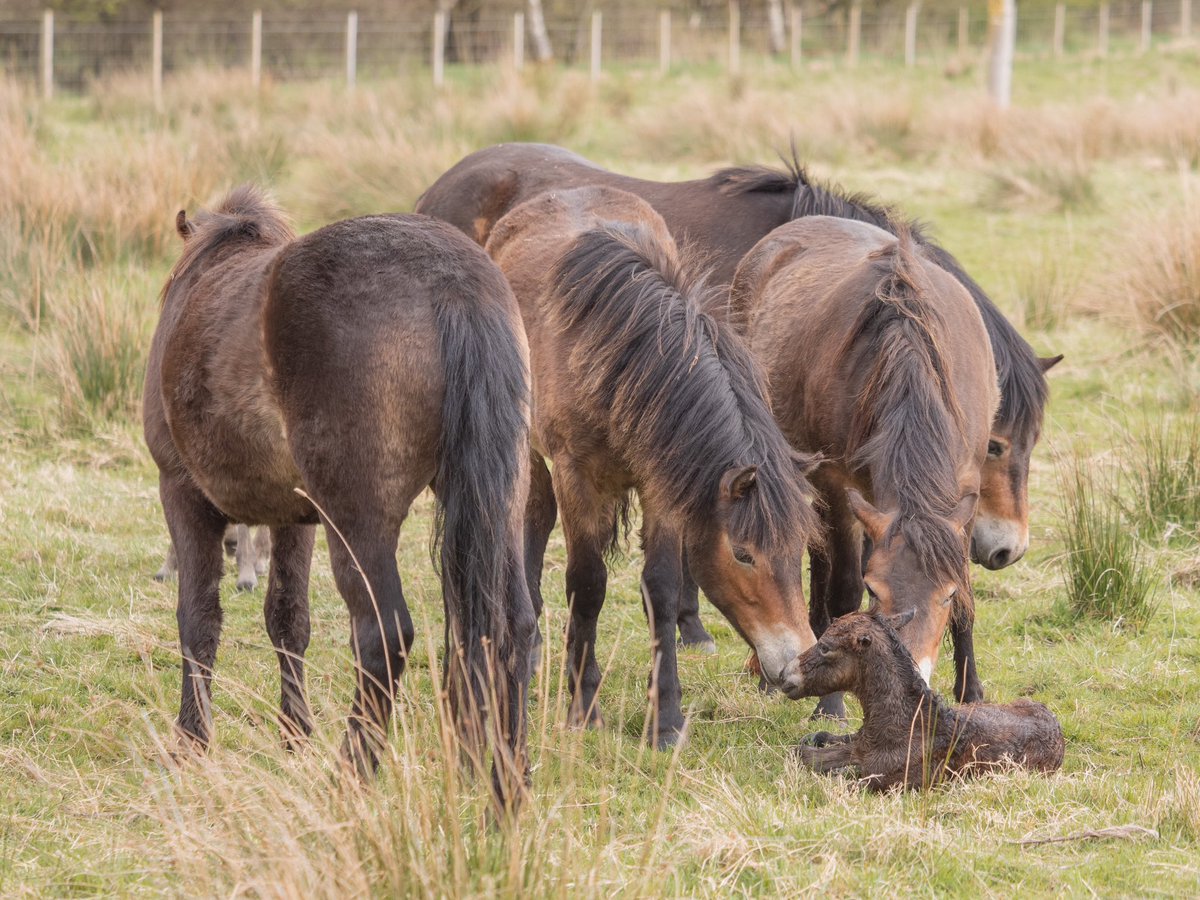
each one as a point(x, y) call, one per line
point(910, 736)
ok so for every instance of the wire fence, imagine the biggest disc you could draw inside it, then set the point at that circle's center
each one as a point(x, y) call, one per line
point(63, 54)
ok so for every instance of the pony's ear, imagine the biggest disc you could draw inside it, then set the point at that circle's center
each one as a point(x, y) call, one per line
point(899, 620)
point(863, 640)
point(964, 512)
point(1049, 362)
point(183, 226)
point(736, 483)
point(875, 522)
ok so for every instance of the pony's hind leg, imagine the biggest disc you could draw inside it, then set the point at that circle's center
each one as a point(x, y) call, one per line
point(692, 633)
point(662, 578)
point(170, 564)
point(262, 550)
point(541, 510)
point(196, 530)
point(286, 613)
point(381, 630)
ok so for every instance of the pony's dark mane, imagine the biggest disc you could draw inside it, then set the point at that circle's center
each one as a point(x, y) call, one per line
point(906, 415)
point(687, 398)
point(246, 216)
point(1023, 387)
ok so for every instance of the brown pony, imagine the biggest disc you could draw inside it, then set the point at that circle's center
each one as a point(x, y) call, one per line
point(638, 388)
point(354, 366)
point(877, 359)
point(722, 217)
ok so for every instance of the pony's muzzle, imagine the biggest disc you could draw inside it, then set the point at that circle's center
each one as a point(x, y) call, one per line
point(997, 543)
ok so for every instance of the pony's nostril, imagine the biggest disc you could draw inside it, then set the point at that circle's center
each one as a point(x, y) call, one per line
point(1000, 559)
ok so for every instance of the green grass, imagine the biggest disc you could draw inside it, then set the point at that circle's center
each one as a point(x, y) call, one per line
point(89, 666)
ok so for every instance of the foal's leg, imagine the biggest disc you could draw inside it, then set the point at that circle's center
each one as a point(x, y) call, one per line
point(662, 578)
point(692, 633)
point(541, 510)
point(286, 612)
point(587, 522)
point(196, 529)
point(247, 580)
point(381, 629)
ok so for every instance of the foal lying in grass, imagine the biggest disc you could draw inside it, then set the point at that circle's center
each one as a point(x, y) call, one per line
point(910, 736)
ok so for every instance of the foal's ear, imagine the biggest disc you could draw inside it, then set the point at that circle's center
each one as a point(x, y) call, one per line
point(863, 640)
point(183, 226)
point(875, 522)
point(1049, 362)
point(899, 620)
point(738, 482)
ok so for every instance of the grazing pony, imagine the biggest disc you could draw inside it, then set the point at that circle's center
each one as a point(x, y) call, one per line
point(721, 217)
point(636, 387)
point(877, 359)
point(910, 737)
point(337, 375)
point(251, 555)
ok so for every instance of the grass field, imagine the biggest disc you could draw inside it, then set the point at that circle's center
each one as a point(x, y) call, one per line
point(1079, 210)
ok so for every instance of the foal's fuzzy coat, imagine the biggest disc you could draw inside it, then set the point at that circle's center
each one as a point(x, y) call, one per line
point(910, 736)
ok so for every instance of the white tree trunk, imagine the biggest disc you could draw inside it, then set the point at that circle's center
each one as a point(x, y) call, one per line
point(777, 30)
point(1002, 32)
point(542, 50)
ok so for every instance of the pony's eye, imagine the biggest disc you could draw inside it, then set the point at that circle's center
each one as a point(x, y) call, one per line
point(740, 554)
point(949, 597)
point(995, 449)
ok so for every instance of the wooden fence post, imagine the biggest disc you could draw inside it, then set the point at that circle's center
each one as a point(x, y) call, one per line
point(855, 32)
point(735, 37)
point(1102, 45)
point(1185, 19)
point(964, 30)
point(597, 36)
point(256, 49)
point(1002, 33)
point(797, 24)
point(351, 49)
point(1060, 28)
point(910, 34)
point(156, 59)
point(48, 54)
point(664, 41)
point(519, 41)
point(439, 48)
point(1147, 25)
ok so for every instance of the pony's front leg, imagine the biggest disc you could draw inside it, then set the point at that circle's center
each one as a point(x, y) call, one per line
point(692, 633)
point(842, 579)
point(286, 612)
point(381, 629)
point(244, 555)
point(967, 686)
point(196, 530)
point(662, 578)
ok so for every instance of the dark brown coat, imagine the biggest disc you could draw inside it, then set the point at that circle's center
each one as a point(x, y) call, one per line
point(910, 737)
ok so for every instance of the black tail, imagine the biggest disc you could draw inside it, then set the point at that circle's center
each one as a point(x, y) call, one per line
point(480, 484)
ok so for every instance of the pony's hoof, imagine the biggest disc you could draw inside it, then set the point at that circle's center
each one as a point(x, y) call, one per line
point(160, 577)
point(245, 586)
point(830, 708)
point(668, 738)
point(590, 720)
point(817, 739)
point(705, 646)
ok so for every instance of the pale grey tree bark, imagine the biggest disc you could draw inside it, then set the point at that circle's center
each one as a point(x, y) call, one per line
point(542, 50)
point(777, 31)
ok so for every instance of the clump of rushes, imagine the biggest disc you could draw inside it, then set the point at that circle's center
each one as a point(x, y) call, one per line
point(1107, 572)
point(1164, 476)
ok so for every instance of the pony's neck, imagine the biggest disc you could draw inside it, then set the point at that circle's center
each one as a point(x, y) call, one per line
point(892, 696)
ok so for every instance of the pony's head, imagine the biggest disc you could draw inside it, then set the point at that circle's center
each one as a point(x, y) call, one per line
point(918, 564)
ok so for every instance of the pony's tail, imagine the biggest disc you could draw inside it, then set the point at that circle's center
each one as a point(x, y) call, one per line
point(481, 485)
